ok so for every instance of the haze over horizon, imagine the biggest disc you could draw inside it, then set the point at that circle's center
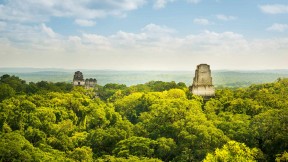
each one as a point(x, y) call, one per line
point(73, 69)
point(144, 34)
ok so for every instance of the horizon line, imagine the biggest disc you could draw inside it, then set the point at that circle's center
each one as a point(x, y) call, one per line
point(108, 69)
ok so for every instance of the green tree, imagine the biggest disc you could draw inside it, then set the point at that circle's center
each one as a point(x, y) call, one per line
point(83, 154)
point(234, 151)
point(103, 141)
point(108, 158)
point(135, 146)
point(236, 127)
point(6, 91)
point(35, 136)
point(14, 82)
point(166, 148)
point(109, 90)
point(130, 106)
point(245, 106)
point(14, 147)
point(282, 157)
point(184, 121)
point(270, 129)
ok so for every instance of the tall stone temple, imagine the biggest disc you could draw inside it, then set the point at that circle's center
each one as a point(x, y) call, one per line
point(78, 80)
point(202, 82)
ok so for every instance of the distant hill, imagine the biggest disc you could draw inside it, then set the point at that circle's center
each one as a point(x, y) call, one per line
point(220, 77)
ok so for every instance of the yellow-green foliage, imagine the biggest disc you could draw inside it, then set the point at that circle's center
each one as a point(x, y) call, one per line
point(234, 151)
point(156, 121)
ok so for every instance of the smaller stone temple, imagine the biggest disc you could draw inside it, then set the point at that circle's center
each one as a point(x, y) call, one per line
point(90, 83)
point(202, 82)
point(78, 80)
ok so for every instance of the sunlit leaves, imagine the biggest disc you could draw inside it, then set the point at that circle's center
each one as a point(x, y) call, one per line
point(136, 146)
point(234, 151)
point(270, 129)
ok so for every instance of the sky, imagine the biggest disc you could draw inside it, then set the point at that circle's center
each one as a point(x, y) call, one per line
point(144, 34)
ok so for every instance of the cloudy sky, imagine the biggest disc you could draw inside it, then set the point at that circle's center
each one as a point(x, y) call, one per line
point(144, 34)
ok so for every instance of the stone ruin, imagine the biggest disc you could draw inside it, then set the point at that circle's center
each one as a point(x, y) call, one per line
point(78, 80)
point(90, 83)
point(202, 82)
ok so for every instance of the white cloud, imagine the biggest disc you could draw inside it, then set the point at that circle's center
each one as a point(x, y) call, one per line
point(127, 4)
point(19, 12)
point(83, 22)
point(48, 31)
point(153, 28)
point(278, 27)
point(213, 41)
point(99, 40)
point(201, 21)
point(42, 10)
point(131, 37)
point(75, 39)
point(194, 1)
point(2, 25)
point(138, 50)
point(29, 34)
point(225, 17)
point(160, 4)
point(129, 40)
point(274, 9)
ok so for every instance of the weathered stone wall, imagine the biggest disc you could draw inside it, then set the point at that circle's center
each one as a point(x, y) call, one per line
point(203, 90)
point(78, 83)
point(202, 82)
point(90, 83)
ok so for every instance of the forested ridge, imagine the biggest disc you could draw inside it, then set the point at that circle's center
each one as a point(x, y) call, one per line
point(155, 121)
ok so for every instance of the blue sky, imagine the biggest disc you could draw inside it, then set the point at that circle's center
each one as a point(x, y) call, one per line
point(144, 34)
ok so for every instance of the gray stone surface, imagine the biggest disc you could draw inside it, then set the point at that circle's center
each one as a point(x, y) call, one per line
point(202, 82)
point(90, 83)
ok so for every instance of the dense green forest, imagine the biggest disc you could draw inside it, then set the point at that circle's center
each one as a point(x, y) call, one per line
point(155, 121)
